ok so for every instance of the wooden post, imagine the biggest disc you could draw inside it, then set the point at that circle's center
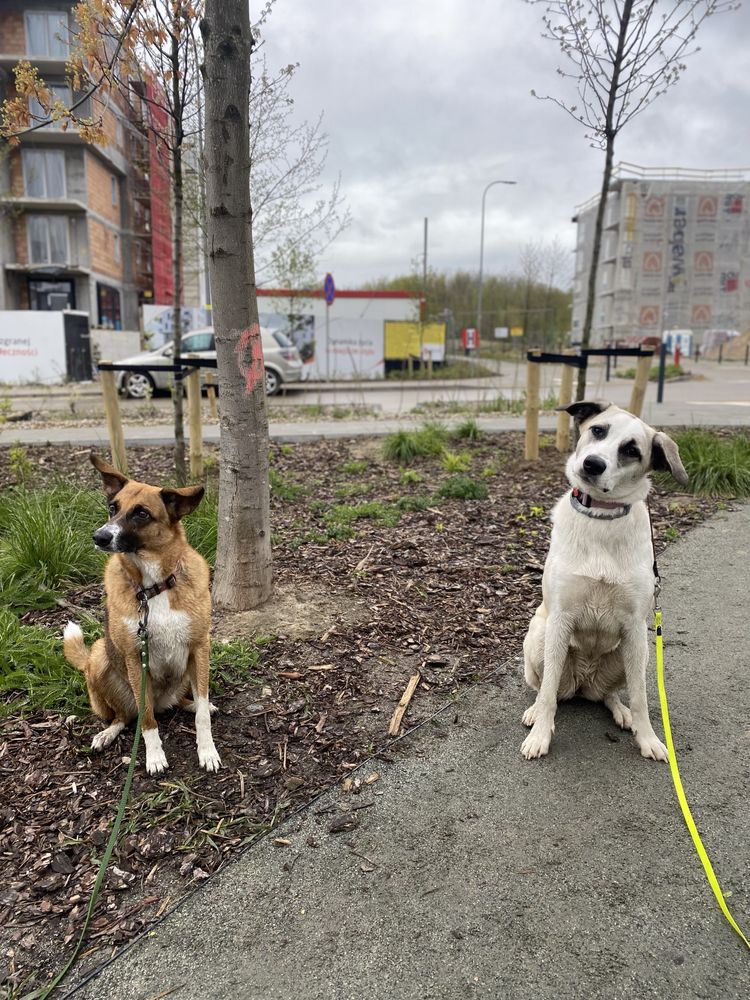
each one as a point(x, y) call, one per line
point(642, 372)
point(532, 408)
point(211, 393)
point(114, 424)
point(410, 365)
point(562, 442)
point(195, 422)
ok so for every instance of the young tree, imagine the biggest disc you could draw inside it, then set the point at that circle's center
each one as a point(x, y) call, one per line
point(243, 560)
point(622, 55)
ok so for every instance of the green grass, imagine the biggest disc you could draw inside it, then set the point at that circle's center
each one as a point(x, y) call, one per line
point(34, 674)
point(500, 404)
point(202, 526)
point(284, 489)
point(235, 662)
point(350, 490)
point(46, 543)
point(410, 477)
point(462, 488)
point(670, 371)
point(468, 430)
point(428, 441)
point(343, 515)
point(412, 504)
point(456, 461)
point(355, 467)
point(717, 467)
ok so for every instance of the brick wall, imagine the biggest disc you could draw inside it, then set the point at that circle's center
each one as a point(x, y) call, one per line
point(99, 189)
point(102, 249)
point(12, 34)
point(20, 240)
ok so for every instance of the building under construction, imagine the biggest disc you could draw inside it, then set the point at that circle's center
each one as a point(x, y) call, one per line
point(675, 254)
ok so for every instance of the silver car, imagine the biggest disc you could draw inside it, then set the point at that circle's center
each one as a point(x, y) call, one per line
point(280, 358)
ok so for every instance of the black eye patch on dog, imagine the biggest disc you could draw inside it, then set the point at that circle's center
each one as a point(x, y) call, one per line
point(628, 452)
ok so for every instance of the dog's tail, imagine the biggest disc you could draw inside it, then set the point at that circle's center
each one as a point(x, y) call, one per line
point(75, 649)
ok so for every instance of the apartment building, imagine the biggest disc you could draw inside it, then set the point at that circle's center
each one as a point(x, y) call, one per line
point(77, 220)
point(675, 254)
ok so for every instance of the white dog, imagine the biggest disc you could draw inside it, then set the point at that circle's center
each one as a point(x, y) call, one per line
point(589, 637)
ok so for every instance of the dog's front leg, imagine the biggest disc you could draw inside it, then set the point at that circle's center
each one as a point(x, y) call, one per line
point(634, 647)
point(556, 641)
point(156, 760)
point(208, 755)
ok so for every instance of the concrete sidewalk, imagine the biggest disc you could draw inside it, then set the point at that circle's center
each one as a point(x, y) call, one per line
point(490, 876)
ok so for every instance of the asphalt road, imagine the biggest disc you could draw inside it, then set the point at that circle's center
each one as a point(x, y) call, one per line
point(474, 873)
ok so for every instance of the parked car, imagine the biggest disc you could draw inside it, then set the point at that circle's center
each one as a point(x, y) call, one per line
point(280, 358)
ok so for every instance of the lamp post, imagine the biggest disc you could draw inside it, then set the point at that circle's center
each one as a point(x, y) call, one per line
point(481, 254)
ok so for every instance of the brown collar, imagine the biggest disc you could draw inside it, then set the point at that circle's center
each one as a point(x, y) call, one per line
point(144, 594)
point(584, 503)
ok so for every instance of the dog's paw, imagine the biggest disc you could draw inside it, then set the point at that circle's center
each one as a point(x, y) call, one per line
point(621, 715)
point(529, 716)
point(106, 737)
point(156, 761)
point(652, 747)
point(189, 706)
point(209, 758)
point(536, 743)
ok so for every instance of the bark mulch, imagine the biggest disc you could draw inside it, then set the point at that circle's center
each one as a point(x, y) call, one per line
point(446, 592)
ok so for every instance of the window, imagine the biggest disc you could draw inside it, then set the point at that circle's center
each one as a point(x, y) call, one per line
point(58, 92)
point(197, 342)
point(108, 307)
point(47, 34)
point(114, 190)
point(48, 239)
point(117, 252)
point(44, 173)
point(51, 294)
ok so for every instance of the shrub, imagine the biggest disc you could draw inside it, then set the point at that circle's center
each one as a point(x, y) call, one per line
point(468, 430)
point(427, 441)
point(34, 672)
point(462, 488)
point(456, 462)
point(46, 542)
point(717, 467)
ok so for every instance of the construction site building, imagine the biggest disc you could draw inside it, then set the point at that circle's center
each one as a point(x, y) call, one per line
point(675, 254)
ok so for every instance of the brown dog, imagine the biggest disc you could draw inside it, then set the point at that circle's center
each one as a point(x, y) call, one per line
point(152, 560)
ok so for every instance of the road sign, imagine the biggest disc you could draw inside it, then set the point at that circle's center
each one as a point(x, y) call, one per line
point(329, 289)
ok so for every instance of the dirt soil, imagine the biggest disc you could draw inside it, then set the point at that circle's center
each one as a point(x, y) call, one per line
point(447, 592)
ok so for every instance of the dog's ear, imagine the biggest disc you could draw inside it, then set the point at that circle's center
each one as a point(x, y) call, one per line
point(584, 409)
point(112, 479)
point(665, 457)
point(180, 502)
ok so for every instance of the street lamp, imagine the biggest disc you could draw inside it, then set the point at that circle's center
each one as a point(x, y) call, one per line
point(481, 254)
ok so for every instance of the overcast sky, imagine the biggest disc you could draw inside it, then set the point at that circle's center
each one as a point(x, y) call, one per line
point(427, 101)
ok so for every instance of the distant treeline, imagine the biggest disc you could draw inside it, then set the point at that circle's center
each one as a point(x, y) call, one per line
point(538, 307)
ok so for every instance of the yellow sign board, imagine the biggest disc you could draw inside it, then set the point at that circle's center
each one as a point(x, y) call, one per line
point(516, 331)
point(403, 339)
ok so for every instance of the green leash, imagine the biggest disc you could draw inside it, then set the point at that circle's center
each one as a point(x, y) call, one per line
point(44, 992)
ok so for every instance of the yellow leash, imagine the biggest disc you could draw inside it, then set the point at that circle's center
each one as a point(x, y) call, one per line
point(687, 815)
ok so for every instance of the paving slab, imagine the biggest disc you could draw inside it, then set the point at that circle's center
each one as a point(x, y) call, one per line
point(475, 873)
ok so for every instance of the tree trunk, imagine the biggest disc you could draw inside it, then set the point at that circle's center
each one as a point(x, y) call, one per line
point(177, 251)
point(243, 576)
point(610, 134)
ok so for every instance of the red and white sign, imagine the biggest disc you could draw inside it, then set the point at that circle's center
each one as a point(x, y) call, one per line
point(470, 338)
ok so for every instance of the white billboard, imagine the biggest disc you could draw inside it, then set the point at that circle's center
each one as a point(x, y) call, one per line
point(32, 346)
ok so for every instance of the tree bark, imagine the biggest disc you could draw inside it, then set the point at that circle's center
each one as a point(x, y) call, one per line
point(177, 252)
point(610, 134)
point(243, 577)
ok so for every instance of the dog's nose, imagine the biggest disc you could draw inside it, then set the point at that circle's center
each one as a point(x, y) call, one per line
point(102, 537)
point(593, 465)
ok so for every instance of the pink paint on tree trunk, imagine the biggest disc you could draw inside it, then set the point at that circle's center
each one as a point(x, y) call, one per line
point(249, 353)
